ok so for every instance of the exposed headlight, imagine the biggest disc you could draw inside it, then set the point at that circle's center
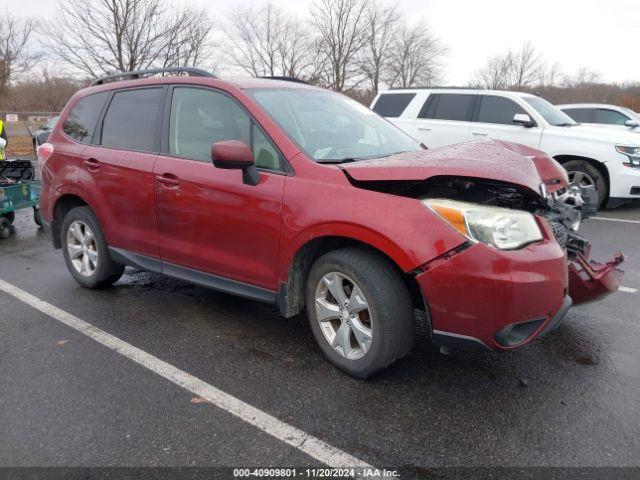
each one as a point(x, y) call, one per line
point(500, 228)
point(632, 153)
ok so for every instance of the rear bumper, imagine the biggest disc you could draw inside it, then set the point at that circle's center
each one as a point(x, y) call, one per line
point(478, 296)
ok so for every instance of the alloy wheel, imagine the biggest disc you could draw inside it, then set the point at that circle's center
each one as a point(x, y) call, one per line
point(581, 178)
point(344, 315)
point(82, 248)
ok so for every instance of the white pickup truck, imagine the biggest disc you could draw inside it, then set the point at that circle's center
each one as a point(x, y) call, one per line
point(607, 159)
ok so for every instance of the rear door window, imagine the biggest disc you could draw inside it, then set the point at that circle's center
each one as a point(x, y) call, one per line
point(580, 115)
point(131, 120)
point(448, 106)
point(498, 110)
point(80, 124)
point(609, 117)
point(393, 104)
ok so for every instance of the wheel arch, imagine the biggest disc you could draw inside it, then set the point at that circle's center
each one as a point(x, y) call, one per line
point(291, 294)
point(601, 167)
point(63, 205)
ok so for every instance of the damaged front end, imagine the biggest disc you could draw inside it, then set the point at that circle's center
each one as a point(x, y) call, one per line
point(564, 210)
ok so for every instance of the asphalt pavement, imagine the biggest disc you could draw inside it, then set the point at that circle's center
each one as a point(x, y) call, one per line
point(569, 400)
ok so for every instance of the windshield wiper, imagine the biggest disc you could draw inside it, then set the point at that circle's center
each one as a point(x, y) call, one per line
point(566, 124)
point(337, 160)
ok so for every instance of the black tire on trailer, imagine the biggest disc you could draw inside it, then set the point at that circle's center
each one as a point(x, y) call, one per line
point(5, 228)
point(360, 341)
point(81, 235)
point(37, 217)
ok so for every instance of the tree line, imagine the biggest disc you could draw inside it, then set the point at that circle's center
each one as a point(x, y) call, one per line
point(351, 46)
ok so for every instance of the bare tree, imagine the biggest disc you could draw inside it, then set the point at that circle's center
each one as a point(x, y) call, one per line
point(514, 69)
point(265, 41)
point(342, 32)
point(526, 65)
point(382, 22)
point(495, 74)
point(106, 36)
point(255, 35)
point(15, 56)
point(416, 57)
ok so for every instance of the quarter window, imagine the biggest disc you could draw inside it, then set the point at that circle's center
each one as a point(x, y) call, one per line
point(609, 117)
point(201, 117)
point(81, 122)
point(392, 104)
point(448, 106)
point(130, 121)
point(498, 110)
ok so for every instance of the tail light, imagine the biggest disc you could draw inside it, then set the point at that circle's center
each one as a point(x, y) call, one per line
point(43, 153)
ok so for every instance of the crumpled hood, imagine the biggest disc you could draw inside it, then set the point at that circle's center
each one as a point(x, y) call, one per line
point(486, 159)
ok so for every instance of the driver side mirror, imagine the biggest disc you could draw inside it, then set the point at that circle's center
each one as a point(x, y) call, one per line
point(524, 120)
point(632, 123)
point(235, 155)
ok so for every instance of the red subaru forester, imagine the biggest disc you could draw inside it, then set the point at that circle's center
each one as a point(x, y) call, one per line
point(282, 192)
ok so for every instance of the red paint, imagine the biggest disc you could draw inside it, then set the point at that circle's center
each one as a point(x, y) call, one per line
point(192, 214)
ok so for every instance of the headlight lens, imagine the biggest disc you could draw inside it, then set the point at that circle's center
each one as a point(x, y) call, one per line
point(632, 153)
point(500, 228)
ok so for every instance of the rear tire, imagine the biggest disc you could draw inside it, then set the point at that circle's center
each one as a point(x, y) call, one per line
point(388, 318)
point(5, 228)
point(587, 174)
point(82, 236)
point(11, 216)
point(36, 217)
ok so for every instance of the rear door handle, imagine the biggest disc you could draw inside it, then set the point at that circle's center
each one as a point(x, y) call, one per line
point(425, 129)
point(479, 134)
point(169, 181)
point(92, 164)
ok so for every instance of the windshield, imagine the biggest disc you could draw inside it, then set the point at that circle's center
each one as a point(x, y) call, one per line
point(552, 114)
point(331, 127)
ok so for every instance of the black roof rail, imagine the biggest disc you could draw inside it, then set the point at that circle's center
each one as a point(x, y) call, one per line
point(286, 79)
point(192, 72)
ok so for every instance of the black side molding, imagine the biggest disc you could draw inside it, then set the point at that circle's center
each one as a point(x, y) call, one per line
point(197, 277)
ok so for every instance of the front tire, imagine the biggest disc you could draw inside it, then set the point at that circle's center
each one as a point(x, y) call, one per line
point(360, 310)
point(586, 174)
point(5, 228)
point(85, 250)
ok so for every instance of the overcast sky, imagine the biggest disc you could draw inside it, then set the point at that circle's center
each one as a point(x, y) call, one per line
point(601, 35)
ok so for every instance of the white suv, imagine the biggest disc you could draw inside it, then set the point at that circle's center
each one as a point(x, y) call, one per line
point(608, 159)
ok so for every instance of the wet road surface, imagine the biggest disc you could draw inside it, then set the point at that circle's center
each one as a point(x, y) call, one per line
point(571, 399)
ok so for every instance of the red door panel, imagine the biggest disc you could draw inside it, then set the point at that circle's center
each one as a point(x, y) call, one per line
point(123, 185)
point(209, 220)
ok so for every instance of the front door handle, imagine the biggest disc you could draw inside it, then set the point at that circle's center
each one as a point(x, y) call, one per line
point(92, 164)
point(479, 134)
point(425, 129)
point(169, 181)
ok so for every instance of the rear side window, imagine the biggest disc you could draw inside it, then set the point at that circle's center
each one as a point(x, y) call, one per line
point(130, 121)
point(81, 122)
point(448, 106)
point(609, 117)
point(498, 110)
point(580, 115)
point(392, 104)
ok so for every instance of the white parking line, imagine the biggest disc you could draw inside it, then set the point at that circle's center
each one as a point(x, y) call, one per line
point(628, 289)
point(608, 219)
point(284, 432)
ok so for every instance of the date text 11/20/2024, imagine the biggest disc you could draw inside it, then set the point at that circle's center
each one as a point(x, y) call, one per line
point(309, 473)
